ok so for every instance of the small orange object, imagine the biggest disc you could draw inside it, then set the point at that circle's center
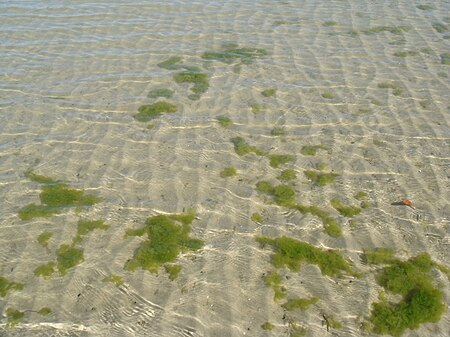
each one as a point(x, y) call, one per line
point(407, 203)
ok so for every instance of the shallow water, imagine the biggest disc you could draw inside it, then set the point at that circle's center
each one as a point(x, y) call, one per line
point(73, 74)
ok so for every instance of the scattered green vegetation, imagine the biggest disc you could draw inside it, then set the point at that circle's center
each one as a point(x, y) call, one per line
point(6, 286)
point(397, 91)
point(391, 29)
point(269, 92)
point(345, 210)
point(297, 331)
point(45, 311)
point(43, 238)
point(39, 178)
point(168, 236)
point(328, 95)
point(440, 27)
point(292, 253)
point(31, 211)
point(233, 54)
point(173, 270)
point(300, 303)
point(273, 280)
point(151, 111)
point(421, 300)
point(161, 92)
point(379, 256)
point(171, 63)
point(334, 323)
point(276, 160)
point(86, 226)
point(361, 195)
point(228, 172)
point(365, 204)
point(287, 175)
point(45, 270)
point(321, 178)
point(425, 7)
point(311, 150)
point(283, 195)
point(115, 279)
point(199, 79)
point(241, 147)
point(278, 131)
point(405, 53)
point(330, 23)
point(267, 326)
point(68, 257)
point(321, 166)
point(224, 121)
point(256, 107)
point(445, 58)
point(256, 217)
point(13, 317)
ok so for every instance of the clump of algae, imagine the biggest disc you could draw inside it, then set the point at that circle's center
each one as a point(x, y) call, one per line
point(345, 210)
point(14, 317)
point(86, 226)
point(321, 178)
point(115, 279)
point(300, 303)
point(422, 300)
point(199, 79)
point(151, 111)
point(242, 148)
point(228, 172)
point(171, 63)
point(6, 286)
point(276, 160)
point(168, 236)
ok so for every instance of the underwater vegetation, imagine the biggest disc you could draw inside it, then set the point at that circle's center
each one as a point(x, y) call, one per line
point(405, 53)
point(278, 131)
point(321, 178)
point(445, 58)
point(115, 279)
point(396, 91)
point(345, 210)
point(440, 27)
point(151, 111)
point(292, 253)
point(6, 286)
point(199, 79)
point(256, 217)
point(269, 92)
point(168, 236)
point(242, 148)
point(171, 63)
point(267, 326)
point(328, 95)
point(45, 270)
point(300, 303)
point(311, 150)
point(424, 7)
point(287, 175)
point(173, 270)
point(45, 311)
point(422, 300)
point(86, 226)
point(235, 53)
point(162, 92)
point(329, 23)
point(14, 317)
point(67, 257)
point(273, 280)
point(276, 160)
point(54, 196)
point(361, 195)
point(391, 29)
point(43, 238)
point(228, 172)
point(256, 107)
point(224, 121)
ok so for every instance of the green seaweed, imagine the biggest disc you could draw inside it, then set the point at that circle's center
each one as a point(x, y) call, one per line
point(161, 92)
point(267, 326)
point(276, 160)
point(421, 302)
point(397, 91)
point(278, 131)
point(424, 7)
point(86, 226)
point(273, 280)
point(168, 236)
point(173, 270)
point(114, 279)
point(45, 311)
point(6, 286)
point(256, 217)
point(31, 211)
point(61, 196)
point(43, 238)
point(291, 253)
point(300, 303)
point(405, 53)
point(256, 107)
point(391, 29)
point(328, 95)
point(329, 23)
point(68, 257)
point(360, 195)
point(233, 54)
point(269, 92)
point(445, 58)
point(171, 63)
point(45, 270)
point(379, 256)
point(296, 330)
point(200, 81)
point(440, 27)
point(287, 175)
point(242, 148)
point(14, 317)
point(311, 150)
point(321, 178)
point(345, 210)
point(228, 172)
point(224, 121)
point(151, 111)
point(365, 204)
point(39, 178)
point(283, 195)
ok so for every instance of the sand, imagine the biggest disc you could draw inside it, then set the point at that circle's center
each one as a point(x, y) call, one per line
point(73, 75)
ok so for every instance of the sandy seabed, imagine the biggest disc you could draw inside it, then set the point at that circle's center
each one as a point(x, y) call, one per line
point(369, 80)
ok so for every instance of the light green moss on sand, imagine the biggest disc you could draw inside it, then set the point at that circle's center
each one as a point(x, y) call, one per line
point(86, 226)
point(242, 148)
point(273, 280)
point(114, 279)
point(228, 172)
point(321, 178)
point(345, 210)
point(171, 63)
point(300, 303)
point(67, 257)
point(161, 92)
point(151, 111)
point(45, 270)
point(276, 160)
point(43, 238)
point(199, 80)
point(7, 286)
point(13, 317)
